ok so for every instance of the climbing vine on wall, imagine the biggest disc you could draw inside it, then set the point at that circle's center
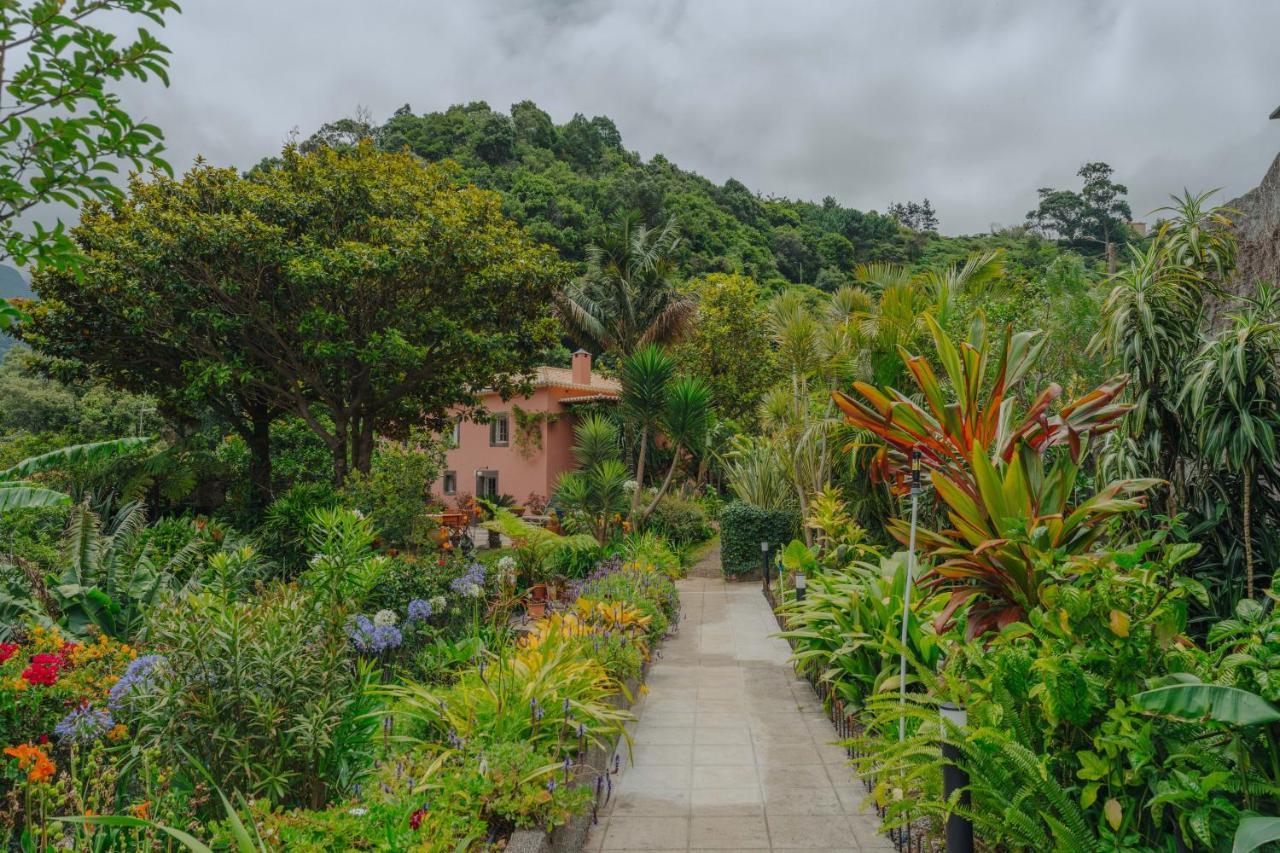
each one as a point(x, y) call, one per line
point(529, 430)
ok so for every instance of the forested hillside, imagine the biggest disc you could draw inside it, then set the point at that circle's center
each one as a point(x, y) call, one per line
point(563, 182)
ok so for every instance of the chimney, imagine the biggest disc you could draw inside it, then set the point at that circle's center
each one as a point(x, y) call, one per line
point(582, 367)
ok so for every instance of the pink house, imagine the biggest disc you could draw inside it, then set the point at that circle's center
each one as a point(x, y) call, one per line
point(502, 457)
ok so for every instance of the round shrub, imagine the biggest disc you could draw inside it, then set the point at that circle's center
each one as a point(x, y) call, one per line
point(743, 527)
point(680, 521)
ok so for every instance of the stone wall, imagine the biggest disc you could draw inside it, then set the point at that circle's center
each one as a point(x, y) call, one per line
point(1258, 226)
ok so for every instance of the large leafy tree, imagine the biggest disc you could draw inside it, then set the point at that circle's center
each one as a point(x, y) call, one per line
point(1095, 217)
point(63, 131)
point(628, 296)
point(361, 291)
point(728, 345)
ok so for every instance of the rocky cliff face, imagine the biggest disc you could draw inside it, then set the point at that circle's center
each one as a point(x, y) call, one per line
point(1258, 226)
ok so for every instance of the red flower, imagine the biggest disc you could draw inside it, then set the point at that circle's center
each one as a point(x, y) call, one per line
point(41, 673)
point(415, 819)
point(7, 650)
point(48, 659)
point(43, 739)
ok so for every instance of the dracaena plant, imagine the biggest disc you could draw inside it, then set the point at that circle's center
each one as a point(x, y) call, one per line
point(1009, 501)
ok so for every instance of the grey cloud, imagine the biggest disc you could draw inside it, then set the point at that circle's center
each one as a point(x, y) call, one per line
point(974, 104)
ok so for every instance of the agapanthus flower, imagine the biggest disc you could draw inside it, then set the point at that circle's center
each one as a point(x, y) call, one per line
point(385, 618)
point(471, 583)
point(85, 724)
point(371, 638)
point(137, 674)
point(419, 610)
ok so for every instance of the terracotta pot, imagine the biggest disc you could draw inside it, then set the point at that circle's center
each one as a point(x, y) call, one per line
point(535, 609)
point(538, 592)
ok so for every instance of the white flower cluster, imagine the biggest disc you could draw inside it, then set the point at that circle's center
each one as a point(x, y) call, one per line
point(384, 618)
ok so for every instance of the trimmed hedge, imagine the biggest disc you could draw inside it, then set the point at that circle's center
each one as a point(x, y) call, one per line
point(743, 527)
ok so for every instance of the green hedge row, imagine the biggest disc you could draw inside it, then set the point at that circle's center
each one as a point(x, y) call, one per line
point(743, 527)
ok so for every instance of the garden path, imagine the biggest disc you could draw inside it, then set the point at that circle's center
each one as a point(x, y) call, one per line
point(732, 750)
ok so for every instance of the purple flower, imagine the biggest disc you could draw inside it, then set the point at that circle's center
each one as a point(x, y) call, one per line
point(84, 725)
point(471, 582)
point(372, 638)
point(419, 610)
point(138, 673)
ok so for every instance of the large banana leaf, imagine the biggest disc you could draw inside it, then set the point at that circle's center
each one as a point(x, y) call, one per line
point(76, 454)
point(1254, 832)
point(1228, 705)
point(15, 494)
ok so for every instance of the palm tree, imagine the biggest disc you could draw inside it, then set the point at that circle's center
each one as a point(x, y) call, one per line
point(628, 297)
point(1233, 397)
point(597, 490)
point(646, 375)
point(684, 421)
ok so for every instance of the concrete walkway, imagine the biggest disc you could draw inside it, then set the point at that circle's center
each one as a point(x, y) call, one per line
point(732, 750)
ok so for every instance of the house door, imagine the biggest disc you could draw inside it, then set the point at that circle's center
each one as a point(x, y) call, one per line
point(486, 484)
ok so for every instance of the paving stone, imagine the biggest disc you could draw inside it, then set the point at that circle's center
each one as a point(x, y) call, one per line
point(741, 832)
point(647, 833)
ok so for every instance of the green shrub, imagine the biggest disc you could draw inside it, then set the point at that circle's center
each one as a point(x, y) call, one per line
point(743, 527)
point(463, 808)
point(271, 702)
point(393, 492)
point(283, 534)
point(682, 522)
point(649, 550)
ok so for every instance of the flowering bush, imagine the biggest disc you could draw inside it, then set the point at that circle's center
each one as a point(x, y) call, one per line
point(651, 592)
point(42, 676)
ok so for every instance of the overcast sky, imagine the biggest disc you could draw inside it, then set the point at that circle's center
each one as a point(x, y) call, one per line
point(973, 104)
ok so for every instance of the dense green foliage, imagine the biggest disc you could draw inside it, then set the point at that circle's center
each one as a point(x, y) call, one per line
point(743, 527)
point(63, 130)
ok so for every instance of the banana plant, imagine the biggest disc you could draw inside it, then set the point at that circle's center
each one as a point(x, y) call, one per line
point(1007, 505)
point(110, 576)
point(1191, 701)
point(19, 492)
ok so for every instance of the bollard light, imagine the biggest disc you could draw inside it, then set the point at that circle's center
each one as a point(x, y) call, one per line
point(764, 561)
point(800, 585)
point(959, 830)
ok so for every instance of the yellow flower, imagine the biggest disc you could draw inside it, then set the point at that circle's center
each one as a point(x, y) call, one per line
point(118, 732)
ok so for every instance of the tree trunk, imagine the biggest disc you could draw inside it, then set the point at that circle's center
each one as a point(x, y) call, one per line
point(259, 441)
point(362, 449)
point(666, 484)
point(338, 449)
point(644, 448)
point(1248, 535)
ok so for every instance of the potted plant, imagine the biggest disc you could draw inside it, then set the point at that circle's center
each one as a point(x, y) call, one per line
point(535, 605)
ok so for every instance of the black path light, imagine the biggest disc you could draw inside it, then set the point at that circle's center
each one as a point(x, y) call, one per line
point(764, 561)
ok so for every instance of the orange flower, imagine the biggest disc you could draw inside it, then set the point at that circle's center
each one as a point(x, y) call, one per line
point(142, 809)
point(118, 732)
point(41, 768)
